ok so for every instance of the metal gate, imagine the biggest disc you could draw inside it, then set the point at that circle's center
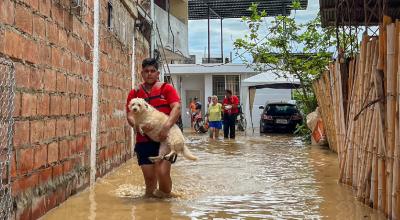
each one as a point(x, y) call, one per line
point(7, 87)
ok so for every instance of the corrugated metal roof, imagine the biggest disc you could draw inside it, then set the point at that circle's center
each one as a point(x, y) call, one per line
point(351, 12)
point(238, 8)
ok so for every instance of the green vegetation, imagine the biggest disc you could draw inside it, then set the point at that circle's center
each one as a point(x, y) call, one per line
point(292, 49)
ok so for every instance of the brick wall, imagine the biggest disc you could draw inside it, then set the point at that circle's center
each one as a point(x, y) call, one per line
point(51, 46)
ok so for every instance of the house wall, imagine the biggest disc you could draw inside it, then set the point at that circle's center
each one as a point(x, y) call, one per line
point(190, 83)
point(178, 39)
point(50, 43)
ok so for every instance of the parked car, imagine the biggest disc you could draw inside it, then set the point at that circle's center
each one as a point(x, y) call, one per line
point(280, 115)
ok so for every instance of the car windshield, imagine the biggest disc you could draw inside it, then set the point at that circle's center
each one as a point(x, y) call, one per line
point(281, 109)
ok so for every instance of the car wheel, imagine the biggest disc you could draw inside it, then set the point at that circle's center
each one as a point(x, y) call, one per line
point(261, 129)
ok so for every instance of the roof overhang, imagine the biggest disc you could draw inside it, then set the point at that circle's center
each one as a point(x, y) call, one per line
point(196, 69)
point(352, 12)
point(198, 9)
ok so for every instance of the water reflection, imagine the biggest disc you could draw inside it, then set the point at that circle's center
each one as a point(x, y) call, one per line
point(253, 177)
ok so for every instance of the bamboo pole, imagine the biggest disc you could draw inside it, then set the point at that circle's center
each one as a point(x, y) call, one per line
point(390, 111)
point(396, 152)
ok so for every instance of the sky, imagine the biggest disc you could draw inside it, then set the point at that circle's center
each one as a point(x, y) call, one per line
point(232, 29)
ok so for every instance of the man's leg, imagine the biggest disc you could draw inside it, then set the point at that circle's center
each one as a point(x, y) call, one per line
point(163, 171)
point(232, 126)
point(226, 125)
point(150, 178)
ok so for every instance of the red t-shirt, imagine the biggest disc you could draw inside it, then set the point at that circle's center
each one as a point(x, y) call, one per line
point(168, 92)
point(233, 100)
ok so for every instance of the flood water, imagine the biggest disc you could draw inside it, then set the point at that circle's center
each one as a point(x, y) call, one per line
point(254, 177)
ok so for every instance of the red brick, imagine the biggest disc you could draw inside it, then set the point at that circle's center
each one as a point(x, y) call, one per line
point(21, 133)
point(72, 146)
point(67, 166)
point(50, 80)
point(65, 105)
point(36, 79)
point(62, 128)
point(52, 152)
point(61, 82)
point(81, 106)
point(55, 105)
point(71, 84)
point(25, 160)
point(62, 37)
point(28, 107)
point(2, 41)
point(40, 157)
point(52, 32)
point(17, 104)
point(67, 63)
point(57, 170)
point(24, 183)
point(86, 124)
point(45, 175)
point(57, 13)
point(22, 75)
point(34, 4)
point(44, 7)
point(23, 18)
point(43, 104)
point(68, 21)
point(37, 128)
point(13, 165)
point(39, 27)
point(64, 149)
point(78, 125)
point(7, 11)
point(44, 54)
point(75, 68)
point(56, 59)
point(83, 68)
point(49, 129)
point(39, 207)
point(74, 106)
point(88, 52)
point(80, 144)
point(31, 50)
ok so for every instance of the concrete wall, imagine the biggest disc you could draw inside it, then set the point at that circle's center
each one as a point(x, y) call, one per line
point(191, 83)
point(179, 40)
point(51, 47)
point(179, 8)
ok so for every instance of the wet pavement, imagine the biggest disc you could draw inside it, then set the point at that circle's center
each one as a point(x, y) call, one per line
point(271, 176)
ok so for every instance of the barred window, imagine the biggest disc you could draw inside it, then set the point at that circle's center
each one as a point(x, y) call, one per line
point(223, 82)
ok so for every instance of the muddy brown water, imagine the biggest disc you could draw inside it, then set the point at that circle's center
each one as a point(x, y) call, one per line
point(254, 177)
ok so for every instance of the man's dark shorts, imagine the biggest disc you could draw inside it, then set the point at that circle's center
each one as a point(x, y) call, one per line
point(144, 150)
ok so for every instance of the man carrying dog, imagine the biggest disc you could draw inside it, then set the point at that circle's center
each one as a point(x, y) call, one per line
point(164, 98)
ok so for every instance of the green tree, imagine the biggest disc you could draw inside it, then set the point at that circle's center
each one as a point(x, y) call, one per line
point(291, 48)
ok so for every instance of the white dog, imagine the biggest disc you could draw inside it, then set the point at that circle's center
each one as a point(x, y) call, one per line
point(146, 115)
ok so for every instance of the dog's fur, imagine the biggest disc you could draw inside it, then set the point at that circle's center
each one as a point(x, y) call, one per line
point(145, 114)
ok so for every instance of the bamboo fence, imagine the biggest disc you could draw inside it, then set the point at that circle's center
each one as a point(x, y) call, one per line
point(362, 124)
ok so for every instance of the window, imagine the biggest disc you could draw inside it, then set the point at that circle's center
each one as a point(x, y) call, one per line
point(221, 83)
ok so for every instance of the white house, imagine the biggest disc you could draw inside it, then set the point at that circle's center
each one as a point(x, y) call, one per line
point(204, 80)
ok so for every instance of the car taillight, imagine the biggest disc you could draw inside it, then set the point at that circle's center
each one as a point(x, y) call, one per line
point(267, 117)
point(295, 117)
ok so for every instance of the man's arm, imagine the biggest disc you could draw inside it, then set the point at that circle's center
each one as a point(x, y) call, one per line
point(172, 119)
